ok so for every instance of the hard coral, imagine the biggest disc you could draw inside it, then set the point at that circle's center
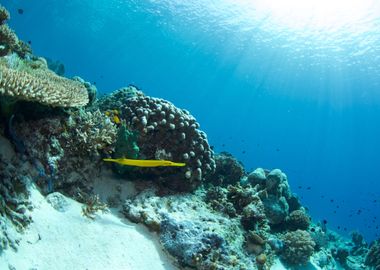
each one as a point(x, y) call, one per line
point(166, 132)
point(9, 42)
point(14, 202)
point(41, 85)
point(4, 14)
point(190, 231)
point(298, 219)
point(373, 256)
point(228, 170)
point(298, 247)
point(68, 147)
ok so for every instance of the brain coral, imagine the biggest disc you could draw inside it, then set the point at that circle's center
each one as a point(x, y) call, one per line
point(164, 132)
point(41, 85)
point(298, 247)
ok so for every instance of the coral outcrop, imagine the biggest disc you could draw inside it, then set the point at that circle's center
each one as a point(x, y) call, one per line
point(372, 258)
point(66, 149)
point(164, 132)
point(9, 42)
point(298, 219)
point(298, 247)
point(229, 170)
point(14, 202)
point(4, 15)
point(190, 231)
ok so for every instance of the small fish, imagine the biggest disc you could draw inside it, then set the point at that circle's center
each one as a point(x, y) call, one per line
point(144, 163)
point(116, 119)
point(20, 11)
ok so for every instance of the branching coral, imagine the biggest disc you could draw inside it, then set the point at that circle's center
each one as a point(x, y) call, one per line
point(93, 205)
point(9, 42)
point(4, 15)
point(68, 147)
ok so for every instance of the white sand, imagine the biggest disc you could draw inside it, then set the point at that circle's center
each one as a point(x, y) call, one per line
point(67, 240)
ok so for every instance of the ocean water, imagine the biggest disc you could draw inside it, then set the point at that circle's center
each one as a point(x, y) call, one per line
point(290, 84)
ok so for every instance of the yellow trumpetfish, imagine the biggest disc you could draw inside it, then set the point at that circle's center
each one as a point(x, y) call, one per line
point(144, 163)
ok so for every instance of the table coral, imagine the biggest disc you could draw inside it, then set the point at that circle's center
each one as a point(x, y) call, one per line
point(40, 85)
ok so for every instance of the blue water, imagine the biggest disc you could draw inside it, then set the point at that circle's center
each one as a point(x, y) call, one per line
point(275, 91)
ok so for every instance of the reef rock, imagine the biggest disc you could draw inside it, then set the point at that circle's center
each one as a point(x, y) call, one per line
point(190, 231)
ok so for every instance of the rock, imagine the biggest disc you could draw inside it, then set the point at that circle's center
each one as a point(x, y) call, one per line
point(58, 201)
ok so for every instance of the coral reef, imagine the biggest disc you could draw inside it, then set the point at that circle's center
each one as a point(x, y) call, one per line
point(67, 148)
point(9, 42)
point(233, 221)
point(298, 219)
point(190, 231)
point(298, 247)
point(14, 203)
point(228, 170)
point(372, 259)
point(4, 15)
point(27, 82)
point(164, 132)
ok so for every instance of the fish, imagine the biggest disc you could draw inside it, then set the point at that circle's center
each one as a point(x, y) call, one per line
point(144, 163)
